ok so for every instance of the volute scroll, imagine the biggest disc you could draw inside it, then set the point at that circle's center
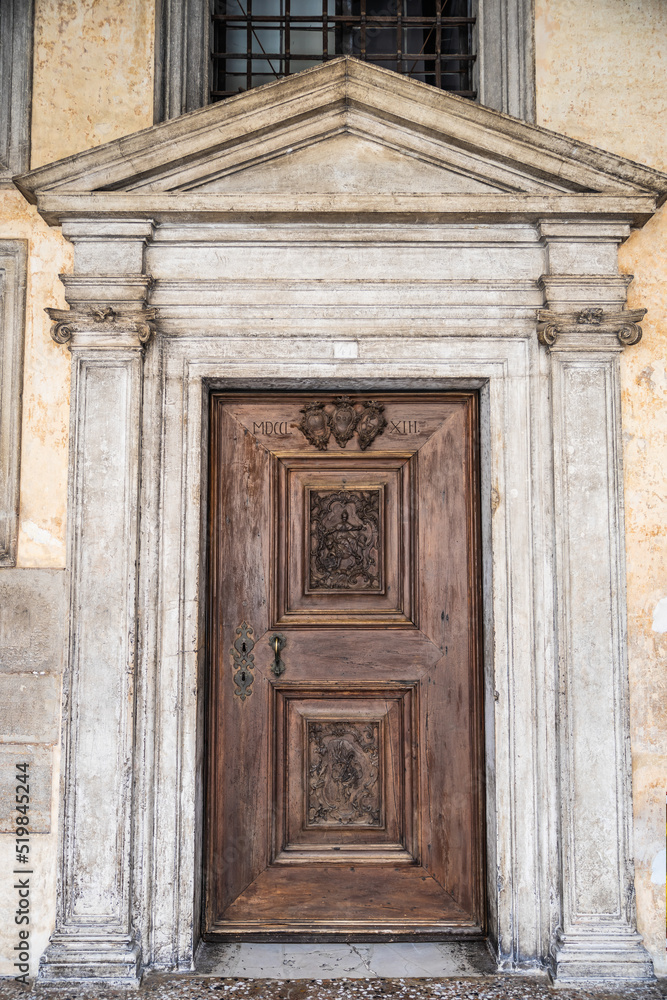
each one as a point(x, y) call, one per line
point(103, 326)
point(593, 328)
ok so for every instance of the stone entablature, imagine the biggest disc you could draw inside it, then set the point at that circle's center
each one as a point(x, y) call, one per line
point(446, 246)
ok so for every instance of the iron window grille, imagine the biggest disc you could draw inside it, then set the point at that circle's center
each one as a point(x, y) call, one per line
point(256, 41)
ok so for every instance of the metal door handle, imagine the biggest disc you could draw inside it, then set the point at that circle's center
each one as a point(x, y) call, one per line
point(277, 642)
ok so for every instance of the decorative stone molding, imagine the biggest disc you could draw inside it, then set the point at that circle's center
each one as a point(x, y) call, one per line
point(13, 264)
point(507, 56)
point(124, 293)
point(15, 87)
point(103, 327)
point(596, 937)
point(588, 329)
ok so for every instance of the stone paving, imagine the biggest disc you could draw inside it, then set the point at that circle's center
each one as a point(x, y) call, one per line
point(186, 987)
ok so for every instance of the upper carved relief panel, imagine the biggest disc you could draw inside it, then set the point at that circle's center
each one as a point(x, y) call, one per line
point(345, 540)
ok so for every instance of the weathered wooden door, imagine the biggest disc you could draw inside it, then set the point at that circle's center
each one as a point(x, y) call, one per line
point(345, 781)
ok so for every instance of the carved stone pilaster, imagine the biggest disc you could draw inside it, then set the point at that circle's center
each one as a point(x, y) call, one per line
point(94, 936)
point(597, 938)
point(593, 328)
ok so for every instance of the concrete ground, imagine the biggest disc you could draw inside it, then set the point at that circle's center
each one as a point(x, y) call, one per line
point(192, 987)
point(339, 971)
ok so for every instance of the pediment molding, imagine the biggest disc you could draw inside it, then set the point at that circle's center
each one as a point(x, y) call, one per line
point(443, 154)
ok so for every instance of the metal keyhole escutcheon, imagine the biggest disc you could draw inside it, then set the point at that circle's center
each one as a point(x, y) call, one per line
point(243, 661)
point(277, 642)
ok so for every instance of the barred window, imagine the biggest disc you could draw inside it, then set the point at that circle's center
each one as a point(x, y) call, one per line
point(256, 41)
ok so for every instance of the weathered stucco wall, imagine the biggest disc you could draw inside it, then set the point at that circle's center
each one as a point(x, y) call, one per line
point(93, 81)
point(45, 388)
point(93, 74)
point(601, 70)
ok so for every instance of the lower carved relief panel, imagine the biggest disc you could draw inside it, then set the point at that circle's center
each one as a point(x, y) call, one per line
point(346, 781)
point(344, 787)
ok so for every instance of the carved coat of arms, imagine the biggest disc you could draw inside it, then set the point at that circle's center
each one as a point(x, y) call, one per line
point(314, 425)
point(342, 418)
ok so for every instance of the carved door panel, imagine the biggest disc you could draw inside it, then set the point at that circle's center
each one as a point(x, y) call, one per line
point(345, 781)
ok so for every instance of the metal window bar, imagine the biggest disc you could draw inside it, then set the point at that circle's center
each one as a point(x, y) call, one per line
point(430, 40)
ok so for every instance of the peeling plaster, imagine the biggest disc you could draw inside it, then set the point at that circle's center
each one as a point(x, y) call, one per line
point(660, 616)
point(93, 74)
point(658, 869)
point(40, 535)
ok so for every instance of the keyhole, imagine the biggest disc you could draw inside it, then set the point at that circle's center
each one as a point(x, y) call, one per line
point(243, 646)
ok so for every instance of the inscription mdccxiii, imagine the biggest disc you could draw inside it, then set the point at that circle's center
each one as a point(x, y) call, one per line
point(345, 542)
point(344, 773)
point(283, 428)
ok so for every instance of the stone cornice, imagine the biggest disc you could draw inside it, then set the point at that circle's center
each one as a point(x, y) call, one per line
point(630, 208)
point(590, 329)
point(105, 327)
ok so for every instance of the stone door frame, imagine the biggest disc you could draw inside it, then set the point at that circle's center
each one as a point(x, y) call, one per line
point(551, 472)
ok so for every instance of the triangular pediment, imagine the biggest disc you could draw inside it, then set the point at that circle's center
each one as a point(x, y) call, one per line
point(342, 130)
point(345, 163)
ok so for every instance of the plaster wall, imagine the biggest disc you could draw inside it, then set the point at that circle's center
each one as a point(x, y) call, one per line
point(93, 63)
point(601, 70)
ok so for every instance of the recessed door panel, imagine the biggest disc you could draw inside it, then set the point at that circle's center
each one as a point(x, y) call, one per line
point(345, 726)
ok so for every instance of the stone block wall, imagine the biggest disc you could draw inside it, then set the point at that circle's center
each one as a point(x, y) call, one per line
point(33, 623)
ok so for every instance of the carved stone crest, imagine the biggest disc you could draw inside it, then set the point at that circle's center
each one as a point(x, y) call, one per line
point(371, 423)
point(342, 418)
point(314, 425)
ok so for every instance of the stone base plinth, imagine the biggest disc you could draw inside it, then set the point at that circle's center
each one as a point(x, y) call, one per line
point(603, 956)
point(112, 961)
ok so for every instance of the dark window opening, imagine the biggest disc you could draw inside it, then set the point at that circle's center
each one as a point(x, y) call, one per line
point(256, 41)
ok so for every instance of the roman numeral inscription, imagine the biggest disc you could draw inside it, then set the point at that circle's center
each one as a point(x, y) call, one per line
point(344, 773)
point(345, 540)
point(403, 427)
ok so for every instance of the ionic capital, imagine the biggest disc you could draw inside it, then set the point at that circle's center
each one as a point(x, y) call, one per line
point(591, 329)
point(104, 327)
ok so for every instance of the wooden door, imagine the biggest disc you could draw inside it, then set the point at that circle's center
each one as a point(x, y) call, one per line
point(345, 780)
